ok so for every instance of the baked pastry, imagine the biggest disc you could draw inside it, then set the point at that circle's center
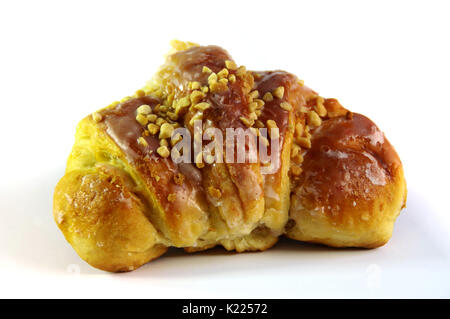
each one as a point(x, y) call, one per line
point(135, 184)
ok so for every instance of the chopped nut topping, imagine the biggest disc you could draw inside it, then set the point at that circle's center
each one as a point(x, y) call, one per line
point(268, 97)
point(232, 78)
point(254, 94)
point(298, 129)
point(163, 142)
point(195, 85)
point(183, 102)
point(144, 109)
point(295, 150)
point(314, 119)
point(153, 128)
point(320, 108)
point(202, 106)
point(259, 124)
point(303, 142)
point(214, 192)
point(178, 179)
point(197, 116)
point(278, 92)
point(175, 139)
point(166, 130)
point(252, 116)
point(140, 93)
point(212, 78)
point(142, 119)
point(240, 72)
point(199, 160)
point(205, 89)
point(246, 121)
point(175, 153)
point(253, 106)
point(196, 96)
point(97, 117)
point(271, 124)
point(223, 74)
point(152, 118)
point(172, 197)
point(231, 65)
point(259, 102)
point(286, 106)
point(218, 87)
point(160, 121)
point(142, 141)
point(301, 82)
point(295, 170)
point(205, 69)
point(163, 151)
point(173, 116)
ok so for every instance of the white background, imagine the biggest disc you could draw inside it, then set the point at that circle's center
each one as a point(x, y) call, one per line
point(61, 60)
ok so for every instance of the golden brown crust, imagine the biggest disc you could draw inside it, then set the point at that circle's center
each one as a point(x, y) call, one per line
point(352, 188)
point(123, 200)
point(104, 220)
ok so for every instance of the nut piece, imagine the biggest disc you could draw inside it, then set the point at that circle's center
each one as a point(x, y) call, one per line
point(202, 106)
point(142, 119)
point(195, 85)
point(271, 124)
point(196, 96)
point(320, 108)
point(231, 65)
point(303, 142)
point(175, 139)
point(314, 119)
point(253, 106)
point(144, 109)
point(268, 97)
point(212, 78)
point(152, 118)
point(298, 129)
point(153, 128)
point(165, 131)
point(232, 78)
point(279, 92)
point(286, 106)
point(142, 141)
point(259, 124)
point(205, 69)
point(163, 142)
point(218, 87)
point(223, 73)
point(163, 151)
point(254, 94)
point(295, 170)
point(246, 121)
point(199, 160)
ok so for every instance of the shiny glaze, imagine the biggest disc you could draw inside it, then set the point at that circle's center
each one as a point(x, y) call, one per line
point(157, 172)
point(225, 111)
point(347, 167)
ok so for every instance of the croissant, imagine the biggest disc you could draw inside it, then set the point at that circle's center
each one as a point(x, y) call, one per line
point(329, 176)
